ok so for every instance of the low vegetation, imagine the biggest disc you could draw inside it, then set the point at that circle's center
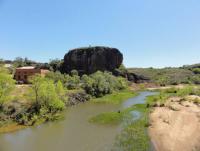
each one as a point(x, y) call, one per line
point(6, 86)
point(170, 76)
point(108, 118)
point(134, 136)
point(159, 100)
point(116, 97)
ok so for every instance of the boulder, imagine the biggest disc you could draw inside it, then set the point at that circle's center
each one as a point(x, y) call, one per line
point(91, 59)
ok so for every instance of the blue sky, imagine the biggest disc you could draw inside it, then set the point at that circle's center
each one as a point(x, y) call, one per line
point(150, 33)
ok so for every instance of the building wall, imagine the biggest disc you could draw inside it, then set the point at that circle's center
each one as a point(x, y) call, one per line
point(22, 75)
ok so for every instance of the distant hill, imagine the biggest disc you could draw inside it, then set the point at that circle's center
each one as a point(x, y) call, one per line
point(191, 66)
point(182, 75)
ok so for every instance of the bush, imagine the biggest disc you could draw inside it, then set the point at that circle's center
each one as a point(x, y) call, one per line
point(57, 76)
point(6, 86)
point(72, 82)
point(45, 93)
point(102, 83)
point(196, 70)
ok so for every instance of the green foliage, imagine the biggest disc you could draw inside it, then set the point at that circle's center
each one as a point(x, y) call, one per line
point(122, 71)
point(116, 97)
point(73, 82)
point(74, 73)
point(60, 89)
point(20, 62)
point(189, 90)
point(166, 76)
point(163, 95)
point(196, 70)
point(108, 118)
point(70, 82)
point(57, 76)
point(122, 83)
point(102, 83)
point(196, 79)
point(45, 92)
point(134, 136)
point(6, 86)
point(55, 65)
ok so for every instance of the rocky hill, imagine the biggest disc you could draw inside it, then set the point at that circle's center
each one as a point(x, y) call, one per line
point(91, 59)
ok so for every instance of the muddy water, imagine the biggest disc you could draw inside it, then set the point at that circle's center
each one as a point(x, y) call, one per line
point(74, 133)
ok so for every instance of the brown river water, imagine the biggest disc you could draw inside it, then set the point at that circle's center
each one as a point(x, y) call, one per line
point(74, 133)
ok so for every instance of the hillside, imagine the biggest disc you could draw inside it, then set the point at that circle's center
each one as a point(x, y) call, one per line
point(186, 74)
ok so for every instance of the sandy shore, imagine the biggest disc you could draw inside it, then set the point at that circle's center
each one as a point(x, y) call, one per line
point(176, 127)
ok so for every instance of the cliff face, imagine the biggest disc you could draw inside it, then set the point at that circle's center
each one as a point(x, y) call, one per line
point(91, 59)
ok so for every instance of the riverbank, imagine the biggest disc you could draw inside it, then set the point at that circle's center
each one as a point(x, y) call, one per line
point(74, 132)
point(8, 125)
point(176, 126)
point(174, 119)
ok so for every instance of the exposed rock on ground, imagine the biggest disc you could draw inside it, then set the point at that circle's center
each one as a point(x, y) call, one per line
point(76, 98)
point(91, 59)
point(176, 126)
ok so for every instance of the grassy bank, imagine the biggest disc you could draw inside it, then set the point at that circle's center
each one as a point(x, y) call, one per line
point(134, 136)
point(164, 94)
point(116, 97)
point(113, 117)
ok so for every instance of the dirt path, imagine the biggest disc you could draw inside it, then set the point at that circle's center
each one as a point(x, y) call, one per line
point(176, 127)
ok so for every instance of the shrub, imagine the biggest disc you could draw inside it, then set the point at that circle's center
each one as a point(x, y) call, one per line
point(72, 82)
point(102, 83)
point(189, 90)
point(60, 89)
point(196, 70)
point(45, 93)
point(56, 76)
point(6, 86)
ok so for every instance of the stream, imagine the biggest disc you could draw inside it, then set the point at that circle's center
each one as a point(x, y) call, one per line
point(74, 133)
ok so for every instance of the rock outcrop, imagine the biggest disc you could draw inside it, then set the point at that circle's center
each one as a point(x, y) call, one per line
point(131, 76)
point(91, 59)
point(76, 98)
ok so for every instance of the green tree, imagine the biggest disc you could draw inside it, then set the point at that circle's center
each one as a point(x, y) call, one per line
point(18, 62)
point(122, 83)
point(55, 64)
point(101, 83)
point(88, 84)
point(57, 76)
point(45, 94)
point(60, 89)
point(36, 86)
point(6, 86)
point(73, 82)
